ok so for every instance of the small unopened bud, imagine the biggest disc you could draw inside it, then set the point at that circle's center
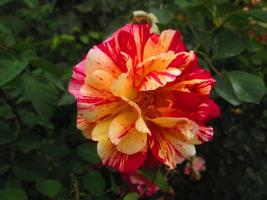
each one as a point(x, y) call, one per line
point(142, 17)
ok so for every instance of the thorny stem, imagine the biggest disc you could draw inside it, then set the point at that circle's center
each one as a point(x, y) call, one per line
point(149, 184)
point(75, 187)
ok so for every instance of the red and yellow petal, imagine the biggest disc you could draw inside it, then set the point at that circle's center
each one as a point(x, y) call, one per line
point(199, 82)
point(168, 40)
point(77, 79)
point(155, 79)
point(140, 123)
point(168, 149)
point(123, 86)
point(132, 142)
point(97, 59)
point(110, 156)
point(121, 125)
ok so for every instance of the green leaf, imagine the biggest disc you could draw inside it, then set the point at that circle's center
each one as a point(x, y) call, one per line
point(160, 181)
point(42, 95)
point(247, 87)
point(10, 66)
point(88, 153)
point(224, 89)
point(66, 99)
point(31, 3)
point(31, 169)
point(227, 44)
point(3, 168)
point(3, 2)
point(6, 36)
point(94, 183)
point(131, 196)
point(259, 14)
point(46, 66)
point(187, 3)
point(29, 142)
point(57, 151)
point(48, 187)
point(77, 166)
point(156, 177)
point(5, 136)
point(13, 194)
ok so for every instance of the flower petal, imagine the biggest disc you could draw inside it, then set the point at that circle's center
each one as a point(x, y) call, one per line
point(140, 124)
point(123, 86)
point(97, 59)
point(100, 130)
point(156, 79)
point(168, 149)
point(133, 142)
point(181, 128)
point(112, 157)
point(198, 81)
point(168, 40)
point(121, 125)
point(77, 79)
point(100, 79)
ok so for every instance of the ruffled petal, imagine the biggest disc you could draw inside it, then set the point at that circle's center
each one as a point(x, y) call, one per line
point(168, 40)
point(123, 86)
point(77, 79)
point(132, 142)
point(129, 40)
point(168, 149)
point(199, 82)
point(157, 79)
point(94, 101)
point(181, 128)
point(140, 123)
point(121, 125)
point(120, 161)
point(97, 59)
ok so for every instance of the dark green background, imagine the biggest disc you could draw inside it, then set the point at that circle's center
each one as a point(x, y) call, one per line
point(44, 156)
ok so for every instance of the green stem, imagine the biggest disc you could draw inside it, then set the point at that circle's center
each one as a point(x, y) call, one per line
point(209, 61)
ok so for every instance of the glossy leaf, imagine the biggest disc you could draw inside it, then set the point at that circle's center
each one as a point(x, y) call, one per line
point(94, 183)
point(88, 153)
point(48, 187)
point(247, 87)
point(131, 196)
point(227, 44)
point(42, 95)
point(225, 90)
point(11, 66)
point(13, 194)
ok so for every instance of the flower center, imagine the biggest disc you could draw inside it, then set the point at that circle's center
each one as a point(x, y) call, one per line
point(151, 103)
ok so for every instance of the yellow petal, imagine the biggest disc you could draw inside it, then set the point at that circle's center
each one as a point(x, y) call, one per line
point(123, 86)
point(104, 148)
point(132, 142)
point(100, 130)
point(100, 79)
point(169, 122)
point(182, 128)
point(120, 126)
point(140, 124)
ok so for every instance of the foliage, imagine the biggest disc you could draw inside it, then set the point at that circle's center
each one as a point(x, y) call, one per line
point(44, 156)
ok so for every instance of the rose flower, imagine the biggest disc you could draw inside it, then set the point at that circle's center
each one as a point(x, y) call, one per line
point(139, 93)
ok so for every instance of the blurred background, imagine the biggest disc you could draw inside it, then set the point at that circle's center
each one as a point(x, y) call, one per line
point(43, 155)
